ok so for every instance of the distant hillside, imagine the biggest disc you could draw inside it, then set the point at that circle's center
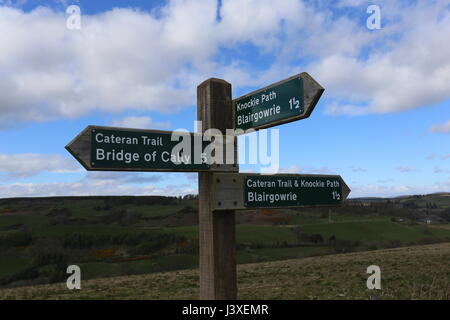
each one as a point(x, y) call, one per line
point(403, 197)
point(420, 272)
point(163, 199)
point(369, 199)
point(440, 197)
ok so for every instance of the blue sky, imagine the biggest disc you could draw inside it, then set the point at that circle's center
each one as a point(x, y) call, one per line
point(383, 122)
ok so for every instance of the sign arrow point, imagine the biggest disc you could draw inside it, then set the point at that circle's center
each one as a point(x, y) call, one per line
point(313, 91)
point(80, 147)
point(345, 189)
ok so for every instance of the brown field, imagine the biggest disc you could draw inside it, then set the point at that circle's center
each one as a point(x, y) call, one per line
point(419, 272)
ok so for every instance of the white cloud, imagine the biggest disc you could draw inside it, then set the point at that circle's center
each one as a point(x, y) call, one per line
point(30, 164)
point(121, 59)
point(291, 169)
point(440, 170)
point(357, 169)
point(126, 59)
point(307, 170)
point(125, 177)
point(66, 3)
point(406, 64)
point(441, 128)
point(104, 183)
point(321, 170)
point(385, 180)
point(139, 123)
point(88, 188)
point(404, 169)
point(377, 190)
point(351, 3)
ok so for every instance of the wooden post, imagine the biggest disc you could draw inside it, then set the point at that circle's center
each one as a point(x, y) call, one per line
point(217, 230)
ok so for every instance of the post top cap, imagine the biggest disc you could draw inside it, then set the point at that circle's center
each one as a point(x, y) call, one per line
point(213, 80)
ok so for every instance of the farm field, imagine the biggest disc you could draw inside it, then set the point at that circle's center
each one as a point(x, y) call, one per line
point(418, 272)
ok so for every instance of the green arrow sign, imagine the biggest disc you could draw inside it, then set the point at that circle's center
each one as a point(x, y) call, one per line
point(118, 149)
point(285, 101)
point(246, 191)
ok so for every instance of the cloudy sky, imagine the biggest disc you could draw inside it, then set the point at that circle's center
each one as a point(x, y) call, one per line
point(383, 122)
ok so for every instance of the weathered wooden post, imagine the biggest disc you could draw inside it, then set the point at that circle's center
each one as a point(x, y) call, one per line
point(217, 229)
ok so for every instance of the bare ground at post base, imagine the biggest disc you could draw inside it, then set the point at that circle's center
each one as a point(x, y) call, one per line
point(418, 272)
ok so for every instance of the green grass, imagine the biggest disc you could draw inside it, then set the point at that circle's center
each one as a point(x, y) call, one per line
point(375, 231)
point(153, 211)
point(190, 232)
point(7, 220)
point(98, 269)
point(356, 218)
point(245, 234)
point(112, 229)
point(86, 208)
point(11, 265)
point(440, 201)
point(380, 229)
point(264, 234)
point(363, 228)
point(418, 272)
point(437, 232)
point(93, 229)
point(158, 264)
point(162, 210)
point(305, 219)
point(273, 254)
point(81, 208)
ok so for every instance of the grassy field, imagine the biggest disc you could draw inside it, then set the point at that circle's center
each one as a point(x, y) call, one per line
point(376, 230)
point(347, 230)
point(441, 200)
point(39, 237)
point(12, 265)
point(419, 272)
point(247, 235)
point(92, 270)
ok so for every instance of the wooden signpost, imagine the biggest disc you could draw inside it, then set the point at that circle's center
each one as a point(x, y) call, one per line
point(222, 190)
point(217, 230)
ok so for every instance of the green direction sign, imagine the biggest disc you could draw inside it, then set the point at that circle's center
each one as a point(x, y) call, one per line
point(291, 191)
point(245, 191)
point(285, 101)
point(118, 149)
point(135, 150)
